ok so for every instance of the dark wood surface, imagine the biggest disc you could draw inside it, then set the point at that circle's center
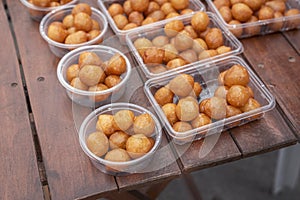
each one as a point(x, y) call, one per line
point(60, 169)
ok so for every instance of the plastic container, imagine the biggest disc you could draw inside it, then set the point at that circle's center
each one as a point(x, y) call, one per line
point(118, 168)
point(87, 98)
point(37, 12)
point(195, 5)
point(262, 27)
point(60, 49)
point(208, 78)
point(229, 40)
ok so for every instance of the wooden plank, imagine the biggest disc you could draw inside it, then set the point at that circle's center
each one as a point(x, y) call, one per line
point(277, 64)
point(69, 173)
point(294, 38)
point(19, 173)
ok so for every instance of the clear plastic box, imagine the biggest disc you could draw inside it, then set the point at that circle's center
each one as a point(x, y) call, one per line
point(195, 5)
point(208, 78)
point(229, 40)
point(262, 27)
point(88, 126)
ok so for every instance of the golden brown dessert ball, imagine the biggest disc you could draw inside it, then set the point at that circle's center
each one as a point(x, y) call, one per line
point(265, 13)
point(118, 140)
point(89, 58)
point(169, 110)
point(182, 85)
point(191, 31)
point(236, 31)
point(202, 105)
point(292, 12)
point(97, 143)
point(148, 20)
point(215, 108)
point(199, 45)
point(186, 11)
point(142, 43)
point(175, 63)
point(91, 74)
point(251, 93)
point(189, 56)
point(254, 4)
point(76, 83)
point(97, 88)
point(64, 1)
point(197, 89)
point(93, 34)
point(241, 12)
point(41, 3)
point(293, 22)
point(72, 72)
point(252, 30)
point(68, 21)
point(120, 20)
point(160, 41)
point(130, 26)
point(250, 105)
point(221, 91)
point(76, 38)
point(207, 54)
point(232, 111)
point(220, 3)
point(157, 69)
point(214, 38)
point(138, 145)
point(117, 155)
point(144, 124)
point(123, 119)
point(237, 1)
point(183, 41)
point(112, 80)
point(167, 8)
point(139, 5)
point(57, 32)
point(200, 21)
point(127, 7)
point(172, 14)
point(180, 4)
point(173, 28)
point(201, 120)
point(236, 75)
point(136, 17)
point(277, 6)
point(225, 12)
point(276, 26)
point(160, 2)
point(223, 49)
point(182, 126)
point(153, 6)
point(71, 30)
point(157, 15)
point(153, 55)
point(105, 124)
point(163, 96)
point(83, 21)
point(115, 9)
point(116, 65)
point(187, 109)
point(170, 52)
point(237, 95)
point(82, 7)
point(221, 77)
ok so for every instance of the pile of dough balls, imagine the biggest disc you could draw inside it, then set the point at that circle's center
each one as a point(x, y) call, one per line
point(92, 74)
point(232, 97)
point(247, 11)
point(134, 13)
point(122, 136)
point(49, 3)
point(181, 44)
point(75, 28)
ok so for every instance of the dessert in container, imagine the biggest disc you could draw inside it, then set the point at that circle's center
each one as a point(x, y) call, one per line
point(118, 168)
point(60, 49)
point(229, 40)
point(208, 78)
point(88, 98)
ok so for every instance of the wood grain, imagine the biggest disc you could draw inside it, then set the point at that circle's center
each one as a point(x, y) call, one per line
point(294, 39)
point(19, 173)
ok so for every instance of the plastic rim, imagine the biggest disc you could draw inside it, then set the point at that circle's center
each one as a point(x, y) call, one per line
point(31, 6)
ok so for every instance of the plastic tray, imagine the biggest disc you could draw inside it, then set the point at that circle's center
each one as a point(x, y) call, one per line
point(207, 77)
point(229, 40)
point(195, 5)
point(262, 27)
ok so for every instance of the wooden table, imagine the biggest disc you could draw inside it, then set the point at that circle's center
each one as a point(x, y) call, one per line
point(40, 153)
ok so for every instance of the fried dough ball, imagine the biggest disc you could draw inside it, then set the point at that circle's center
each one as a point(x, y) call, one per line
point(200, 21)
point(157, 69)
point(220, 3)
point(182, 126)
point(160, 41)
point(118, 140)
point(236, 75)
point(177, 62)
point(252, 30)
point(112, 80)
point(160, 2)
point(225, 12)
point(182, 85)
point(191, 31)
point(250, 105)
point(139, 5)
point(117, 155)
point(157, 15)
point(223, 49)
point(265, 13)
point(153, 55)
point(215, 108)
point(123, 120)
point(167, 8)
point(97, 143)
point(294, 22)
point(71, 30)
point(251, 93)
point(105, 124)
point(221, 77)
point(170, 52)
point(169, 110)
point(221, 91)
point(172, 14)
point(82, 7)
point(127, 7)
point(115, 9)
point(68, 21)
point(95, 25)
point(199, 45)
point(76, 38)
point(76, 83)
point(201, 120)
point(173, 28)
point(83, 22)
point(186, 11)
point(91, 75)
point(232, 111)
point(41, 3)
point(153, 6)
point(237, 95)
point(254, 4)
point(57, 32)
point(241, 12)
point(120, 20)
point(202, 105)
point(72, 72)
point(237, 1)
point(141, 44)
point(97, 88)
point(136, 17)
point(180, 4)
point(183, 41)
point(236, 31)
point(189, 56)
point(89, 58)
point(163, 96)
point(138, 145)
point(144, 124)
point(148, 20)
point(276, 26)
point(214, 38)
point(197, 89)
point(277, 6)
point(116, 65)
point(187, 109)
point(207, 54)
point(93, 34)
point(130, 26)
